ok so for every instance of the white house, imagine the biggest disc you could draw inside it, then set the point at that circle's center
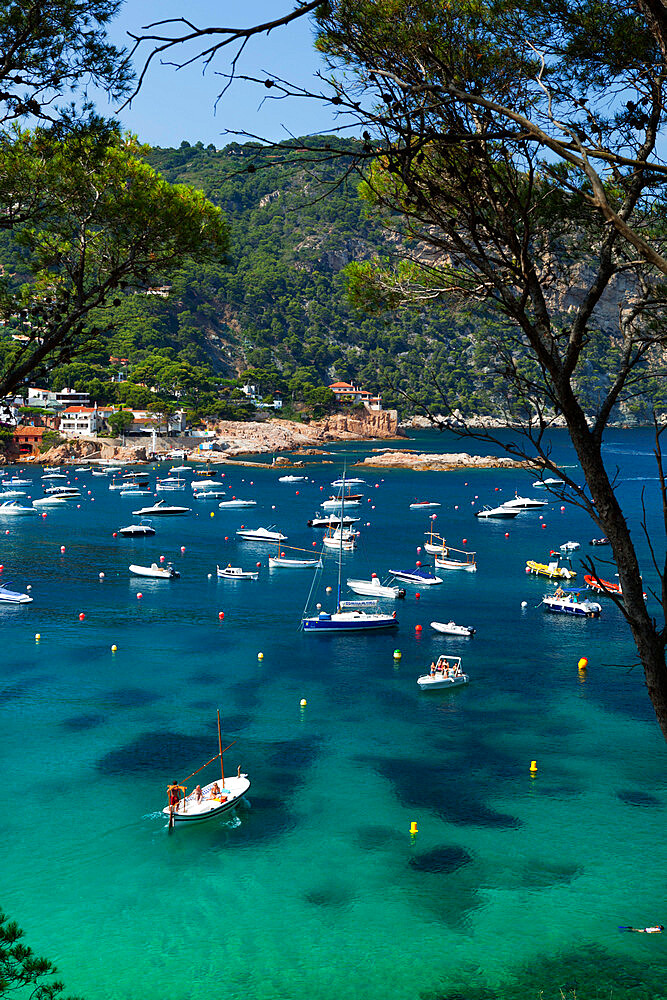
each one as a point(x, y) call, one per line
point(80, 421)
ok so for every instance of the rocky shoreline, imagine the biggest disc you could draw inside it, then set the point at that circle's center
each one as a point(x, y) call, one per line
point(427, 462)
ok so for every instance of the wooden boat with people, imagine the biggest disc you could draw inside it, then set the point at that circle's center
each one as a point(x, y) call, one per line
point(206, 801)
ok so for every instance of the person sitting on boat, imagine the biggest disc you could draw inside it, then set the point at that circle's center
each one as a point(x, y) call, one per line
point(215, 791)
point(433, 668)
point(174, 794)
point(199, 795)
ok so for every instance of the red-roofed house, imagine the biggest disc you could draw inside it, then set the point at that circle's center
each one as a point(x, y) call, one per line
point(28, 439)
point(345, 392)
point(80, 421)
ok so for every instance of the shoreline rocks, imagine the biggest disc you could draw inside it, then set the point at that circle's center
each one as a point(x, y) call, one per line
point(427, 462)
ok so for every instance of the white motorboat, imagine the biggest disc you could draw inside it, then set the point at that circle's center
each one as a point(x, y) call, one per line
point(12, 494)
point(206, 484)
point(423, 505)
point(568, 602)
point(135, 491)
point(82, 468)
point(181, 468)
point(208, 801)
point(261, 535)
point(419, 575)
point(118, 484)
point(451, 628)
point(51, 476)
point(340, 538)
point(230, 572)
point(497, 512)
point(15, 481)
point(291, 479)
point(548, 482)
point(524, 503)
point(569, 546)
point(333, 503)
point(167, 485)
point(445, 673)
point(349, 482)
point(10, 508)
point(52, 501)
point(208, 494)
point(373, 588)
point(161, 509)
point(332, 521)
point(13, 596)
point(100, 472)
point(235, 502)
point(157, 572)
point(143, 530)
point(67, 492)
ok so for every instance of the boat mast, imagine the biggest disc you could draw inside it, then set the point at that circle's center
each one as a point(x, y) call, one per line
point(222, 766)
point(340, 532)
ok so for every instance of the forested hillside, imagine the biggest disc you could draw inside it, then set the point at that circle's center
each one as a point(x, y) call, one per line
point(276, 311)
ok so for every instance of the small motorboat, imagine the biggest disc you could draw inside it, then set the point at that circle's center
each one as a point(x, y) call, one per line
point(423, 505)
point(143, 530)
point(157, 572)
point(547, 482)
point(206, 484)
point(332, 521)
point(208, 495)
point(451, 628)
point(524, 503)
point(130, 490)
point(13, 596)
point(54, 475)
point(82, 468)
point(419, 575)
point(260, 535)
point(569, 546)
point(599, 541)
point(601, 586)
point(169, 485)
point(12, 494)
point(445, 673)
point(52, 501)
point(373, 588)
point(568, 602)
point(291, 479)
point(349, 482)
point(235, 502)
point(161, 509)
point(100, 472)
point(181, 468)
point(15, 481)
point(498, 512)
point(67, 492)
point(553, 569)
point(118, 484)
point(334, 502)
point(10, 508)
point(230, 572)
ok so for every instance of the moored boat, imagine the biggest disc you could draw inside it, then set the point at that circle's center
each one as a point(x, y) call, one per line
point(497, 513)
point(157, 572)
point(423, 505)
point(235, 502)
point(161, 509)
point(524, 503)
point(10, 508)
point(261, 535)
point(446, 672)
point(553, 569)
point(142, 530)
point(13, 596)
point(374, 588)
point(451, 628)
point(419, 575)
point(568, 602)
point(230, 572)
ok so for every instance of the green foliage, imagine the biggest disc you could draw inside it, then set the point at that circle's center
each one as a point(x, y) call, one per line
point(21, 971)
point(50, 439)
point(120, 421)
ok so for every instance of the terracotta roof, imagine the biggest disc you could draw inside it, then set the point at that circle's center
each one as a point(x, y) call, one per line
point(78, 409)
point(341, 385)
point(30, 431)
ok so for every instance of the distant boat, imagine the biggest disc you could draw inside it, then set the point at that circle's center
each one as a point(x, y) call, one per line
point(235, 502)
point(66, 492)
point(340, 538)
point(599, 541)
point(604, 586)
point(548, 482)
point(419, 575)
point(524, 503)
point(448, 557)
point(303, 561)
point(161, 509)
point(568, 602)
point(143, 530)
point(332, 521)
point(158, 572)
point(208, 494)
point(13, 596)
point(11, 494)
point(181, 468)
point(54, 475)
point(497, 512)
point(374, 588)
point(552, 569)
point(166, 485)
point(291, 479)
point(11, 508)
point(334, 502)
point(230, 572)
point(52, 501)
point(15, 481)
point(206, 484)
point(349, 482)
point(445, 673)
point(261, 535)
point(451, 628)
point(569, 546)
point(423, 505)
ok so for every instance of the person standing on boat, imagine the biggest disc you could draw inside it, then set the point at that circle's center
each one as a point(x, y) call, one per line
point(174, 795)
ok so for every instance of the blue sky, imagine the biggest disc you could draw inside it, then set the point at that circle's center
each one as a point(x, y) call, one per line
point(175, 105)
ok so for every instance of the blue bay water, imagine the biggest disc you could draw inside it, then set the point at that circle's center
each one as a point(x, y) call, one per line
point(512, 885)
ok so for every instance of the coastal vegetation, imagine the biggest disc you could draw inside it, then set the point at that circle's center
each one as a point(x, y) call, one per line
point(23, 973)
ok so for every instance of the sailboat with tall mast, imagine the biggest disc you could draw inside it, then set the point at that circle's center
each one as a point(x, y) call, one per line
point(347, 617)
point(210, 800)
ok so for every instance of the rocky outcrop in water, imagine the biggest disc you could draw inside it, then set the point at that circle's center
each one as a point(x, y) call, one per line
point(426, 462)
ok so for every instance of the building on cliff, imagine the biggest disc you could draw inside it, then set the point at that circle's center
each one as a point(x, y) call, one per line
point(346, 392)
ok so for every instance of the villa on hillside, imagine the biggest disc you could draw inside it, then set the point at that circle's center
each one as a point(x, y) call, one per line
point(346, 392)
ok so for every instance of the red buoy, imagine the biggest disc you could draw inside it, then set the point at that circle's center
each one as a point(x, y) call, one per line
point(81, 616)
point(418, 628)
point(221, 615)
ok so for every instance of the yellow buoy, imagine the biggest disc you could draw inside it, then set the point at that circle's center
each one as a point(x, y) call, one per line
point(260, 656)
point(303, 703)
point(413, 828)
point(583, 663)
point(114, 649)
point(212, 513)
point(37, 637)
point(533, 767)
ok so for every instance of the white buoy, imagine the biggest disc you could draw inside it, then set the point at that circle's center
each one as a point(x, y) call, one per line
point(524, 604)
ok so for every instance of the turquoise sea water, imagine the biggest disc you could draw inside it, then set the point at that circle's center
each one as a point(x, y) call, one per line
point(512, 886)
